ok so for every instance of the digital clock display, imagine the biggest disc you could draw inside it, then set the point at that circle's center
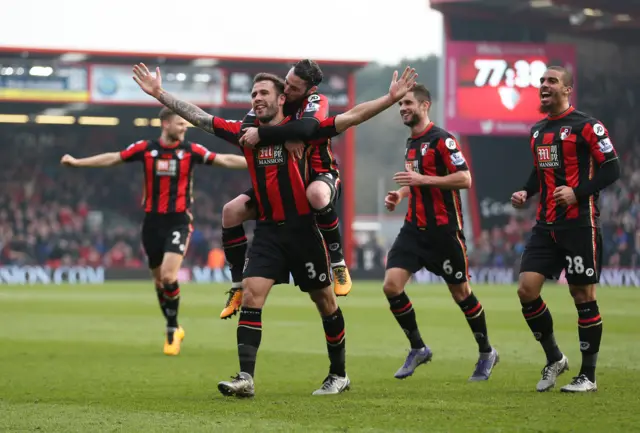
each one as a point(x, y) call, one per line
point(492, 88)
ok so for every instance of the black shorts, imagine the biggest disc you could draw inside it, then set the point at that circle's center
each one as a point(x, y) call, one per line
point(442, 252)
point(165, 233)
point(577, 251)
point(252, 198)
point(297, 248)
point(330, 178)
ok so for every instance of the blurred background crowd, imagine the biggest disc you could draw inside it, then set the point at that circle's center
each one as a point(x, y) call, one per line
point(50, 215)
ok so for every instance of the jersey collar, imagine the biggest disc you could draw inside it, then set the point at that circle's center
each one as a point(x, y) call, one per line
point(426, 129)
point(565, 113)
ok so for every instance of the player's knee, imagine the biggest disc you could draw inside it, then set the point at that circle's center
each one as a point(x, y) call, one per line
point(582, 294)
point(528, 290)
point(460, 292)
point(168, 276)
point(319, 195)
point(392, 287)
point(235, 212)
point(325, 301)
point(252, 297)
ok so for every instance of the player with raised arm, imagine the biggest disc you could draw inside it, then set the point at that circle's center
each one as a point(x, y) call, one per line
point(308, 109)
point(287, 240)
point(168, 164)
point(432, 236)
point(574, 160)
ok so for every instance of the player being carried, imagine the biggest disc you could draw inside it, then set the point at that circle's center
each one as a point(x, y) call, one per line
point(308, 109)
point(286, 240)
point(574, 160)
point(168, 164)
point(432, 236)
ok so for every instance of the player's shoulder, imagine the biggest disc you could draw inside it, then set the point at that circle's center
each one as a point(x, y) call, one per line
point(437, 132)
point(540, 124)
point(582, 118)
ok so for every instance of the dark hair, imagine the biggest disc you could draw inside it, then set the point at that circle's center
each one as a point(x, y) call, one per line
point(567, 77)
point(421, 93)
point(166, 114)
point(278, 82)
point(309, 71)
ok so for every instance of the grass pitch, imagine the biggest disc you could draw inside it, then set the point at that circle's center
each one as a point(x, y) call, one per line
point(89, 359)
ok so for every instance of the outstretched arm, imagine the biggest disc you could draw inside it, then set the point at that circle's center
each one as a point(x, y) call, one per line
point(230, 161)
point(153, 86)
point(102, 160)
point(365, 111)
point(191, 113)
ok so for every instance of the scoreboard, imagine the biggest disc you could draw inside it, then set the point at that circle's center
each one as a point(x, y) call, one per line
point(492, 88)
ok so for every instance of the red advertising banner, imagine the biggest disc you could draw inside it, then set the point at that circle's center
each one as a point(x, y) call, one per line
point(492, 88)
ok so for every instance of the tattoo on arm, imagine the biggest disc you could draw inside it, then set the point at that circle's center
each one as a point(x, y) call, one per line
point(195, 115)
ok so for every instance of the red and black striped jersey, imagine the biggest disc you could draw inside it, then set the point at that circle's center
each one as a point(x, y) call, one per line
point(434, 152)
point(277, 178)
point(168, 172)
point(568, 149)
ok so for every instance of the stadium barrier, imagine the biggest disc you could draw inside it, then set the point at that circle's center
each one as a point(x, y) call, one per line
point(17, 275)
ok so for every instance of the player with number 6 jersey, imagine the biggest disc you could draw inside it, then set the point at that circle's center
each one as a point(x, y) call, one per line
point(574, 159)
point(432, 236)
point(168, 165)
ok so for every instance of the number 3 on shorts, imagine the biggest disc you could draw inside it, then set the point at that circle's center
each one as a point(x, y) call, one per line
point(311, 270)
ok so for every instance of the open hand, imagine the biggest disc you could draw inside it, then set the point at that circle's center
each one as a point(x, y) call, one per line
point(151, 85)
point(400, 87)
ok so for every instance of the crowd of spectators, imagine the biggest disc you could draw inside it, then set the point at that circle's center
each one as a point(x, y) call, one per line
point(57, 216)
point(53, 215)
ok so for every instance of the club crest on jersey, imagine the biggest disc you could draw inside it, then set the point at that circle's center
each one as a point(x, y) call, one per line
point(423, 148)
point(548, 156)
point(270, 155)
point(180, 153)
point(565, 132)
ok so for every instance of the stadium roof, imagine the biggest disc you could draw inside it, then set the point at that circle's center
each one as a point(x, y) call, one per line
point(92, 56)
point(617, 20)
point(79, 56)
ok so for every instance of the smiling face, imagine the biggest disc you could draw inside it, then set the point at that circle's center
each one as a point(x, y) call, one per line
point(555, 88)
point(266, 101)
point(413, 110)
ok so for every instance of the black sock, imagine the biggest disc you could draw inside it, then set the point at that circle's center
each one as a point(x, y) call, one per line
point(249, 335)
point(171, 305)
point(334, 333)
point(234, 243)
point(403, 311)
point(329, 225)
point(590, 334)
point(473, 311)
point(161, 302)
point(540, 322)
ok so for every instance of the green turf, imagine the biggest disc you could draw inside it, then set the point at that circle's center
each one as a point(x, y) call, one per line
point(88, 359)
